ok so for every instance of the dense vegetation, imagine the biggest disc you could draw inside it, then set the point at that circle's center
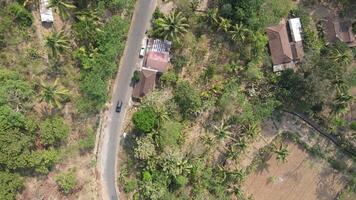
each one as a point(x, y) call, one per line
point(188, 135)
point(38, 83)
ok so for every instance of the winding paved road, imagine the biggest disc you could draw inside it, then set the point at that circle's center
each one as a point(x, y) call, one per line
point(122, 91)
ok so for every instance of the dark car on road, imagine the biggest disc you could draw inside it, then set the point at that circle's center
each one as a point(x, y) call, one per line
point(118, 106)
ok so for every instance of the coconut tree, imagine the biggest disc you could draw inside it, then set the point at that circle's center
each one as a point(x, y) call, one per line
point(57, 43)
point(53, 94)
point(171, 27)
point(61, 6)
point(222, 131)
point(341, 102)
point(239, 33)
point(281, 152)
point(212, 16)
point(341, 57)
point(224, 24)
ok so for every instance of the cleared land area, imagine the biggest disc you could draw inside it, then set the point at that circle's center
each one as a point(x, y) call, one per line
point(301, 177)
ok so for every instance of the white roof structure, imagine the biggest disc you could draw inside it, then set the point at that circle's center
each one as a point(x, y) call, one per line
point(46, 13)
point(296, 29)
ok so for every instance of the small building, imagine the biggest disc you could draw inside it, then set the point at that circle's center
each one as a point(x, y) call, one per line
point(146, 83)
point(337, 29)
point(286, 46)
point(158, 55)
point(46, 13)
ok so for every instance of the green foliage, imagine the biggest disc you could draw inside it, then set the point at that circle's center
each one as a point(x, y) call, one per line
point(14, 91)
point(17, 138)
point(20, 14)
point(169, 78)
point(93, 83)
point(88, 142)
point(43, 160)
point(136, 77)
point(180, 181)
point(10, 184)
point(145, 119)
point(338, 164)
point(187, 99)
point(67, 181)
point(53, 130)
point(353, 125)
point(169, 134)
point(130, 186)
point(145, 148)
point(62, 7)
point(171, 27)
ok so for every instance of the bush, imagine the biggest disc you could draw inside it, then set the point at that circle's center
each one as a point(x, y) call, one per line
point(88, 142)
point(145, 119)
point(21, 15)
point(353, 125)
point(130, 185)
point(53, 131)
point(187, 98)
point(67, 181)
point(10, 184)
point(169, 134)
point(338, 164)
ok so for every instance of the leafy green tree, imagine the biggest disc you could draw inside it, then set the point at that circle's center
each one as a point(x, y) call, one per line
point(16, 93)
point(57, 43)
point(145, 119)
point(10, 184)
point(171, 27)
point(53, 94)
point(67, 181)
point(16, 139)
point(187, 99)
point(42, 161)
point(62, 7)
point(87, 28)
point(53, 130)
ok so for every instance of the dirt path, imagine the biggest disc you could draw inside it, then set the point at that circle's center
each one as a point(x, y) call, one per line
point(40, 31)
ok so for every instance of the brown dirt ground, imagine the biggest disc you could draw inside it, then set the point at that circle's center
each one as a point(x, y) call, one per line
point(301, 177)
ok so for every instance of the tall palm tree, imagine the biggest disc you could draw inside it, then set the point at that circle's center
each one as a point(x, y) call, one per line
point(57, 43)
point(341, 102)
point(224, 24)
point(62, 7)
point(222, 131)
point(239, 33)
point(342, 57)
point(281, 152)
point(212, 16)
point(53, 94)
point(172, 27)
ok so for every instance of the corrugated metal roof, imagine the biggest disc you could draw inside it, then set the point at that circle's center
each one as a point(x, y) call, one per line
point(46, 13)
point(296, 29)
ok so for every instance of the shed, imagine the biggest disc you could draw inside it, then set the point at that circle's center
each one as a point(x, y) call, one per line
point(296, 29)
point(46, 12)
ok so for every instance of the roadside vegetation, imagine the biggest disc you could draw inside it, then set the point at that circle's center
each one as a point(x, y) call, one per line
point(53, 87)
point(187, 136)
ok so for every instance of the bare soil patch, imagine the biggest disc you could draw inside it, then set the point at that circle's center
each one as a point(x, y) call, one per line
point(301, 177)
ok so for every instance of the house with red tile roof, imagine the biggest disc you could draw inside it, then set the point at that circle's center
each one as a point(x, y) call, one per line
point(285, 44)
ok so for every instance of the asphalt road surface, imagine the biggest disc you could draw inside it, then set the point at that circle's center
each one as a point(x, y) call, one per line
point(122, 91)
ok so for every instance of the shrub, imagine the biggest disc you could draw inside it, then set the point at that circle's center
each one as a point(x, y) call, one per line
point(136, 77)
point(130, 185)
point(338, 164)
point(169, 134)
point(88, 142)
point(187, 98)
point(10, 184)
point(21, 15)
point(353, 125)
point(145, 119)
point(53, 131)
point(67, 181)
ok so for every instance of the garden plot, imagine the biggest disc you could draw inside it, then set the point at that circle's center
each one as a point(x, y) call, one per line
point(301, 177)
